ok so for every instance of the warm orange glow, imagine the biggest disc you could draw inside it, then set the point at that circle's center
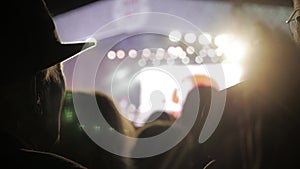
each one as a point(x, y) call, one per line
point(175, 98)
point(202, 80)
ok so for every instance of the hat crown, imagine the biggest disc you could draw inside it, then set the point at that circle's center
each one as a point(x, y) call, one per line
point(31, 40)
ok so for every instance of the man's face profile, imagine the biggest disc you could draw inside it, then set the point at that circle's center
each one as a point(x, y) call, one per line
point(296, 18)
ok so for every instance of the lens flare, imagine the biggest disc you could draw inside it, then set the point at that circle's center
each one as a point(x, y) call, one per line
point(231, 46)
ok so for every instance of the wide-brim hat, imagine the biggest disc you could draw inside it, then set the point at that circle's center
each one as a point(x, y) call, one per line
point(32, 43)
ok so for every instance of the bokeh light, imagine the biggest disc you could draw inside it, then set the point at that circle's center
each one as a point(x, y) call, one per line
point(132, 53)
point(146, 52)
point(190, 50)
point(175, 36)
point(185, 60)
point(111, 55)
point(199, 59)
point(205, 39)
point(142, 62)
point(190, 37)
point(121, 54)
point(160, 53)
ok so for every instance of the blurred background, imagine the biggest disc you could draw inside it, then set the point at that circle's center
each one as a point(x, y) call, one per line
point(150, 53)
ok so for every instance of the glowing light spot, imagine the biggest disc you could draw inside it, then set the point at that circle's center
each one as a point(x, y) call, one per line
point(97, 128)
point(146, 52)
point(68, 115)
point(182, 54)
point(232, 47)
point(235, 51)
point(132, 53)
point(156, 96)
point(111, 55)
point(222, 40)
point(211, 53)
point(172, 52)
point(204, 39)
point(68, 97)
point(178, 49)
point(203, 80)
point(175, 36)
point(219, 52)
point(185, 60)
point(190, 50)
point(142, 62)
point(190, 37)
point(120, 54)
point(199, 59)
point(160, 52)
point(232, 73)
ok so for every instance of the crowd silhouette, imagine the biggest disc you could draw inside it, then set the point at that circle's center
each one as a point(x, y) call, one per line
point(259, 128)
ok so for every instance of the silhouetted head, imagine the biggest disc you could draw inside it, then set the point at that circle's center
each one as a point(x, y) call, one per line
point(32, 81)
point(160, 115)
point(80, 121)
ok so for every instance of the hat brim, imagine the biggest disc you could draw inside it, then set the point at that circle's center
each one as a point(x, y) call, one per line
point(61, 52)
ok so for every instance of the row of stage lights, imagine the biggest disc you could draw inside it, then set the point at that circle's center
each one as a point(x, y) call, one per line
point(226, 48)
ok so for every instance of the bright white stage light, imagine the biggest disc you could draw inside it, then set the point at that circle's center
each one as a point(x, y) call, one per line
point(111, 55)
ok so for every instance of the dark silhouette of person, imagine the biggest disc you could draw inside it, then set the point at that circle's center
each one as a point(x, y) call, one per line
point(76, 144)
point(261, 121)
point(222, 149)
point(160, 115)
point(32, 86)
point(188, 152)
point(263, 110)
point(174, 158)
point(260, 124)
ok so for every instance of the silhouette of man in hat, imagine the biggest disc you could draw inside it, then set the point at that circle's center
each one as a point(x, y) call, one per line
point(263, 111)
point(32, 86)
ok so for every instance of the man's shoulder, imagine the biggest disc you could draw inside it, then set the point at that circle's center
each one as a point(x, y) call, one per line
point(24, 158)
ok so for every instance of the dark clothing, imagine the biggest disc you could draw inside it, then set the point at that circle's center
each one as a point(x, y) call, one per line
point(23, 158)
point(269, 123)
point(14, 156)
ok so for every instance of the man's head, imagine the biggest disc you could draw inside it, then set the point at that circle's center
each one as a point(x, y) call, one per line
point(32, 82)
point(294, 21)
